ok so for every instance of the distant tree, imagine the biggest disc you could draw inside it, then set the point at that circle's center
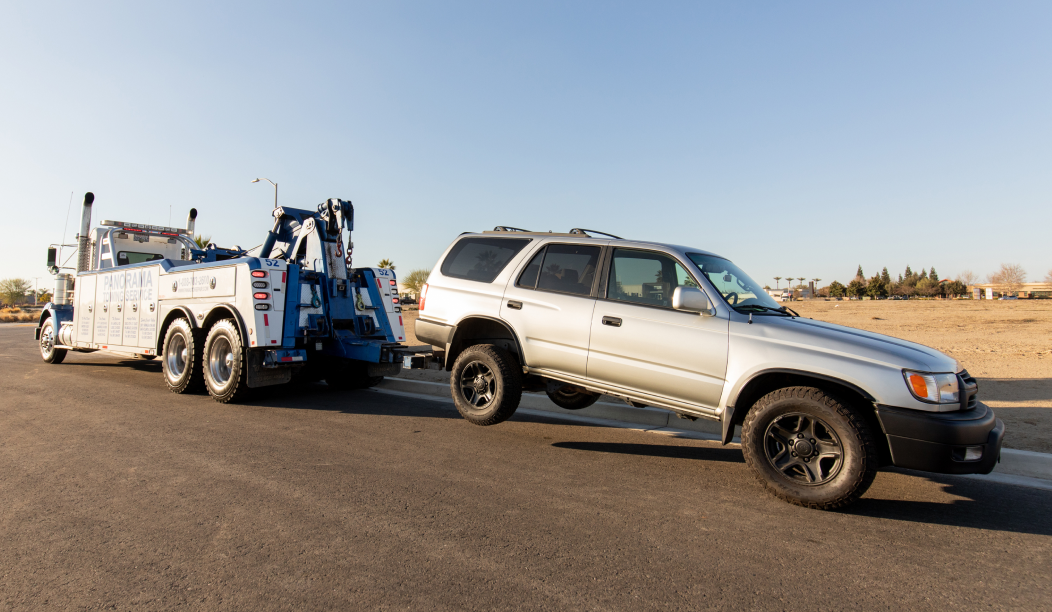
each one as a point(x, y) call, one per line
point(1048, 277)
point(927, 288)
point(923, 275)
point(414, 281)
point(766, 287)
point(202, 241)
point(933, 274)
point(836, 289)
point(1009, 278)
point(956, 288)
point(885, 277)
point(386, 263)
point(968, 277)
point(909, 273)
point(13, 290)
point(856, 288)
point(859, 274)
point(778, 278)
point(876, 287)
point(43, 296)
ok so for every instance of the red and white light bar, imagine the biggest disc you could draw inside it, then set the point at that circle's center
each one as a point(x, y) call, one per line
point(152, 229)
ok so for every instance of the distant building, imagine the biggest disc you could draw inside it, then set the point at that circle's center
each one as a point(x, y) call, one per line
point(990, 291)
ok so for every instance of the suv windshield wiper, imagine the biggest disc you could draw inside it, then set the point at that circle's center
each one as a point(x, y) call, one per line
point(763, 309)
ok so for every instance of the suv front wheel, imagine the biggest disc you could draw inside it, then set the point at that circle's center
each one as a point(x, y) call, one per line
point(486, 383)
point(809, 448)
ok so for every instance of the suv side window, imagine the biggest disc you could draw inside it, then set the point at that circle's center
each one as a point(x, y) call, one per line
point(566, 268)
point(481, 259)
point(645, 277)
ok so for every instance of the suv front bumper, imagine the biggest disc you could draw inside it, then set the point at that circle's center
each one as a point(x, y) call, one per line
point(940, 441)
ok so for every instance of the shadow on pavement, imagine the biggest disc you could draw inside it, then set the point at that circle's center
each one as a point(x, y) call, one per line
point(728, 455)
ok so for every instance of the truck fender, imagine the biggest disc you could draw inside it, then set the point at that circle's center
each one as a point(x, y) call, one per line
point(226, 311)
point(745, 391)
point(162, 330)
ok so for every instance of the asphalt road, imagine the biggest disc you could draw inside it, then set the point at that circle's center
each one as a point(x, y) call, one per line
point(116, 494)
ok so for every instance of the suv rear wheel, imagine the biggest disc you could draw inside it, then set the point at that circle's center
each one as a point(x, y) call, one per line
point(486, 383)
point(809, 448)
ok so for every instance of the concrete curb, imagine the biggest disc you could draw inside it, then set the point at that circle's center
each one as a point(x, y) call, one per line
point(1023, 465)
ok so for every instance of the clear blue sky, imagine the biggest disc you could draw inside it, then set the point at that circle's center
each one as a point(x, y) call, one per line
point(797, 138)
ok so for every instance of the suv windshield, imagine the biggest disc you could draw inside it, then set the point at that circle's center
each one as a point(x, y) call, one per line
point(734, 285)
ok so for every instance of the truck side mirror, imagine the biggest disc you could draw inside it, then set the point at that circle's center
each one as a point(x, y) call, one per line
point(52, 255)
point(691, 299)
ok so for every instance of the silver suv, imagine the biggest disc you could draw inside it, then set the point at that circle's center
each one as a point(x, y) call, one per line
point(821, 407)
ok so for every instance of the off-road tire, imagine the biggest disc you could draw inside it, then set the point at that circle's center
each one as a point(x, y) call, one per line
point(572, 399)
point(225, 362)
point(501, 378)
point(354, 375)
point(181, 334)
point(859, 459)
point(48, 338)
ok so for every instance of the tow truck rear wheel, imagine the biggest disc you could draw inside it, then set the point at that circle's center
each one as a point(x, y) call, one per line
point(47, 343)
point(809, 448)
point(182, 357)
point(486, 383)
point(224, 370)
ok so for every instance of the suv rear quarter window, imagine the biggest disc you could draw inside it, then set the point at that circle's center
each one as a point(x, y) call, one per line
point(566, 268)
point(481, 259)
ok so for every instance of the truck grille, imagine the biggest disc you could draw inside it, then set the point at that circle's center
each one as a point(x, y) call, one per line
point(969, 391)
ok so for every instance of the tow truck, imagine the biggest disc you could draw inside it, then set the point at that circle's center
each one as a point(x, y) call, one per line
point(224, 319)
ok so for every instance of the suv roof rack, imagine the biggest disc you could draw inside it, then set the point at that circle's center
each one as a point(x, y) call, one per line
point(587, 232)
point(508, 228)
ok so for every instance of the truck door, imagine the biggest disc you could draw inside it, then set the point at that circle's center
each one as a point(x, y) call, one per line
point(85, 309)
point(148, 307)
point(102, 308)
point(640, 343)
point(132, 283)
point(116, 308)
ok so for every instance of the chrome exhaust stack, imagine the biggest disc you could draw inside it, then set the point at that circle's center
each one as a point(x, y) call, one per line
point(84, 238)
point(190, 221)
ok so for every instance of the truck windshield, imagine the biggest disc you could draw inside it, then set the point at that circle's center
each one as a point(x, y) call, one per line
point(733, 284)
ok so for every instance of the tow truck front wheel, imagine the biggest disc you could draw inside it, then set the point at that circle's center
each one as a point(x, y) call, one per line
point(225, 374)
point(47, 343)
point(182, 357)
point(809, 448)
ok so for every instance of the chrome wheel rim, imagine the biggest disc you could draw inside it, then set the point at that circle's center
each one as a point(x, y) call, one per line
point(478, 385)
point(176, 356)
point(221, 361)
point(804, 449)
point(47, 340)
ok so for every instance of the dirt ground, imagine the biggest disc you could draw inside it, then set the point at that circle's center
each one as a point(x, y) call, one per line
point(1006, 345)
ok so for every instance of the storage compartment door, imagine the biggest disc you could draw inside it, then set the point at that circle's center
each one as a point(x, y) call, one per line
point(84, 328)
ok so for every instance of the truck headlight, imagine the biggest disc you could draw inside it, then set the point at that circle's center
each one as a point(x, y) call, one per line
point(933, 388)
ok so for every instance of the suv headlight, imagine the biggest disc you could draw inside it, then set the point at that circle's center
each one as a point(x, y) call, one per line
point(933, 388)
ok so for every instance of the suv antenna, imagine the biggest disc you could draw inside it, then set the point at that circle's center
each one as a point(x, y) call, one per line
point(587, 232)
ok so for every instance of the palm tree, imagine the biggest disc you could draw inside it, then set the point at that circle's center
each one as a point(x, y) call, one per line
point(386, 263)
point(776, 279)
point(202, 241)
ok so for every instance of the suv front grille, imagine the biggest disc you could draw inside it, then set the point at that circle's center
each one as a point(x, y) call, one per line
point(969, 391)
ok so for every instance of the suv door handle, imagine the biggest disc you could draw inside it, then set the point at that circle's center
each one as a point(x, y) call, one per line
point(514, 305)
point(612, 321)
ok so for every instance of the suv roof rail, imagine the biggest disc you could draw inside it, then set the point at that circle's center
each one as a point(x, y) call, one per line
point(586, 232)
point(508, 228)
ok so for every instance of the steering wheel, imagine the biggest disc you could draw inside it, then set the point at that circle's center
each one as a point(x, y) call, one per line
point(735, 295)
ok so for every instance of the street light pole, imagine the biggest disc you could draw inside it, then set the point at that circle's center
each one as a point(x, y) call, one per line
point(275, 188)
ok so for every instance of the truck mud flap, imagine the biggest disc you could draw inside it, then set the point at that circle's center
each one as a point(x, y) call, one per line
point(259, 376)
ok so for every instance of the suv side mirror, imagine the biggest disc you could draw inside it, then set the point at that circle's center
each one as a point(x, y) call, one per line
point(52, 255)
point(691, 299)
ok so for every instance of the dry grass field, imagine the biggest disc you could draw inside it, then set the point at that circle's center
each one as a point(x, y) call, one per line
point(1006, 345)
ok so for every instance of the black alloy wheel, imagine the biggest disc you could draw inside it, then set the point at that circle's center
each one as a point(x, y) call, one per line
point(486, 384)
point(804, 449)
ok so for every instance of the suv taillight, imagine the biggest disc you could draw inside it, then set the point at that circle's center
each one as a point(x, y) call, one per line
point(423, 296)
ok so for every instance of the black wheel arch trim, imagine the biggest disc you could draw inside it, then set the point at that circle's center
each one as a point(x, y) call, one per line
point(732, 417)
point(456, 328)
